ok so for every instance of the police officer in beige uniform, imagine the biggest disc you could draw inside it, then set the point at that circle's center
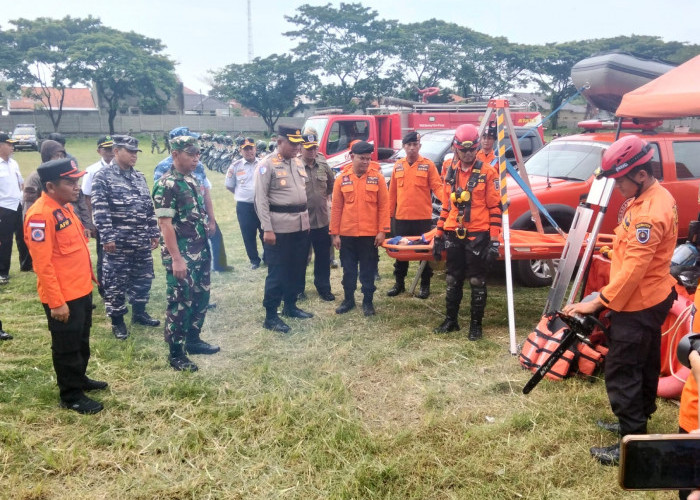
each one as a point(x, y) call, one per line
point(318, 190)
point(280, 201)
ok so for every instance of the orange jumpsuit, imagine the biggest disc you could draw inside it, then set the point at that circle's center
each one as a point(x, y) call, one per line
point(486, 158)
point(410, 188)
point(688, 415)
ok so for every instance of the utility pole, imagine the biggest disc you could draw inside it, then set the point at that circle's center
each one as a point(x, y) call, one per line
point(250, 34)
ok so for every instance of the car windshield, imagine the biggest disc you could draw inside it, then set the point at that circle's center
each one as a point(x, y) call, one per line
point(567, 160)
point(23, 131)
point(430, 149)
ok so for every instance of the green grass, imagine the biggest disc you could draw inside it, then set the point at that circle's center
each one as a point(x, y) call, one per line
point(345, 407)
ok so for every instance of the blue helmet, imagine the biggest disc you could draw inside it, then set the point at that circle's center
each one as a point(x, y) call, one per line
point(179, 131)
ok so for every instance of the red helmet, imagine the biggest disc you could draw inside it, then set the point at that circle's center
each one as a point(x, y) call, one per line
point(623, 155)
point(466, 137)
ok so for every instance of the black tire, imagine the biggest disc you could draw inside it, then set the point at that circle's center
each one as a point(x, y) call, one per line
point(537, 272)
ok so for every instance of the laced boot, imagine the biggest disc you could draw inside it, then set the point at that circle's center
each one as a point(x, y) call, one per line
point(368, 306)
point(141, 317)
point(347, 304)
point(399, 287)
point(195, 345)
point(424, 291)
point(179, 360)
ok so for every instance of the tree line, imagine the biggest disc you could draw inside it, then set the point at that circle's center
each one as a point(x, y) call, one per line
point(347, 57)
point(47, 54)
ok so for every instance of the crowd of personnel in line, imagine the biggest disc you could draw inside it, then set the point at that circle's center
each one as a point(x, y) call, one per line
point(291, 200)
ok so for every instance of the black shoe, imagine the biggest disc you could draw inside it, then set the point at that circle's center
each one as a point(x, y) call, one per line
point(296, 313)
point(4, 335)
point(345, 306)
point(424, 292)
point(84, 405)
point(144, 319)
point(120, 331)
point(447, 326)
point(94, 385)
point(201, 347)
point(613, 427)
point(368, 309)
point(182, 364)
point(608, 455)
point(276, 325)
point(4, 279)
point(225, 269)
point(475, 331)
point(327, 296)
point(398, 288)
point(254, 265)
point(301, 296)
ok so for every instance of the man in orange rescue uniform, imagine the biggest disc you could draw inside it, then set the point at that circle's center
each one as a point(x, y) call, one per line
point(411, 207)
point(468, 229)
point(640, 292)
point(488, 137)
point(359, 223)
point(57, 243)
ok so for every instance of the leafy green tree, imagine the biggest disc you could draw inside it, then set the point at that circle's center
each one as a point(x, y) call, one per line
point(347, 44)
point(272, 87)
point(38, 56)
point(124, 65)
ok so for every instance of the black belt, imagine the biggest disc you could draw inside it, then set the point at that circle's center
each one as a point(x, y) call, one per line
point(288, 209)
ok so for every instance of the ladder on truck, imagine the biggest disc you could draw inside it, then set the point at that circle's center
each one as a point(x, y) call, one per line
point(500, 108)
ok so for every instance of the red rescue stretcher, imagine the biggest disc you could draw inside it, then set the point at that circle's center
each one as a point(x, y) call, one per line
point(524, 245)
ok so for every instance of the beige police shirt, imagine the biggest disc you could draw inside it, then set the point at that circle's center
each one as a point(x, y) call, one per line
point(282, 183)
point(319, 187)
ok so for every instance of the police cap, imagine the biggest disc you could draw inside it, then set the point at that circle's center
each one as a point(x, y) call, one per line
point(63, 168)
point(410, 137)
point(127, 142)
point(292, 134)
point(105, 141)
point(361, 148)
point(6, 138)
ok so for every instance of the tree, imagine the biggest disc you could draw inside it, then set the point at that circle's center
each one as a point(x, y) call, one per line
point(123, 65)
point(41, 57)
point(347, 44)
point(272, 87)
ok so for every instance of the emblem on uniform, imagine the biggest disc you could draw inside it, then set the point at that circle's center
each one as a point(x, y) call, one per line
point(643, 232)
point(399, 168)
point(496, 185)
point(283, 182)
point(37, 230)
point(262, 170)
point(229, 173)
point(346, 180)
point(58, 215)
point(372, 180)
point(302, 172)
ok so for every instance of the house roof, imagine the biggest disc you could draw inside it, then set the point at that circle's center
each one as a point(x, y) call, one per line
point(76, 99)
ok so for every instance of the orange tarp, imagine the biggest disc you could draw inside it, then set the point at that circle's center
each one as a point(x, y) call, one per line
point(675, 94)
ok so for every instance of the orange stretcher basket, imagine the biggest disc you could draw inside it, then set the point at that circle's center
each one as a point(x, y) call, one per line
point(524, 245)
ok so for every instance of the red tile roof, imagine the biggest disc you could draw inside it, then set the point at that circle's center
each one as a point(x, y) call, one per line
point(75, 99)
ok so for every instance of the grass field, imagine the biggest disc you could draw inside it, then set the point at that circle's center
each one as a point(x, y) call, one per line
point(344, 407)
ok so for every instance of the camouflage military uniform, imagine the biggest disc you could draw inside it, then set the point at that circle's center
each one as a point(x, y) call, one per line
point(123, 214)
point(179, 197)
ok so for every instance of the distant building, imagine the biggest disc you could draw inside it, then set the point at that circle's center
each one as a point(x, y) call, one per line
point(74, 99)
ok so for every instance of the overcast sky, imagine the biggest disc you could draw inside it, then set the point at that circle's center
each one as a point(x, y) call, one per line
point(206, 35)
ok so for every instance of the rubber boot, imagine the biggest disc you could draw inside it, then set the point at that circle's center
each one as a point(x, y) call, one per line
point(399, 287)
point(478, 305)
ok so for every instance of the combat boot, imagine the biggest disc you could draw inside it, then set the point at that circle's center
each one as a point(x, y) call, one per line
point(478, 305)
point(424, 291)
point(447, 326)
point(607, 455)
point(368, 306)
point(141, 317)
point(453, 297)
point(195, 345)
point(475, 331)
point(347, 304)
point(119, 328)
point(179, 360)
point(399, 287)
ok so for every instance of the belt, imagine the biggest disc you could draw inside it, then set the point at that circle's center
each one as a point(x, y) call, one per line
point(288, 209)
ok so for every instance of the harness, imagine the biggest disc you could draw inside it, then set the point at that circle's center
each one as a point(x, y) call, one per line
point(462, 198)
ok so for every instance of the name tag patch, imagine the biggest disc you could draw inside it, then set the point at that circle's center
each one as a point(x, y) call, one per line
point(422, 168)
point(372, 180)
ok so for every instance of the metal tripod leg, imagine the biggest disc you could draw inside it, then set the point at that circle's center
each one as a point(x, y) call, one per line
point(414, 284)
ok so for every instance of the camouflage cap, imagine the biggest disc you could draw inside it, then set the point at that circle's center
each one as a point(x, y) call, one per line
point(126, 142)
point(180, 131)
point(186, 143)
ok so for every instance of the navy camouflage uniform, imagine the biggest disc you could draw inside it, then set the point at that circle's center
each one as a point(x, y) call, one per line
point(179, 197)
point(123, 214)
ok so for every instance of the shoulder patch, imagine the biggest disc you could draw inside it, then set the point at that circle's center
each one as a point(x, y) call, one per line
point(643, 231)
point(58, 215)
point(38, 233)
point(346, 180)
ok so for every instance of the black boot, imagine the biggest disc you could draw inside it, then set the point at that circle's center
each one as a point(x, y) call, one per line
point(607, 455)
point(141, 317)
point(447, 326)
point(119, 328)
point(195, 345)
point(453, 297)
point(274, 323)
point(347, 304)
point(399, 287)
point(478, 306)
point(368, 306)
point(179, 360)
point(424, 291)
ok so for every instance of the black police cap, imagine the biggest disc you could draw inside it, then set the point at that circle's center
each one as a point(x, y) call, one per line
point(292, 134)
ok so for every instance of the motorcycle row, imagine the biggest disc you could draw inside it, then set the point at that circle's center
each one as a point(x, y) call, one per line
point(219, 151)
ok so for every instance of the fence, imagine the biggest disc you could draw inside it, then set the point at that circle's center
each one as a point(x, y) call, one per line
point(94, 123)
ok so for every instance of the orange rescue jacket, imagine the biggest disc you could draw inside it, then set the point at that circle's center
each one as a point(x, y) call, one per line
point(410, 188)
point(60, 255)
point(642, 250)
point(688, 414)
point(485, 201)
point(360, 205)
